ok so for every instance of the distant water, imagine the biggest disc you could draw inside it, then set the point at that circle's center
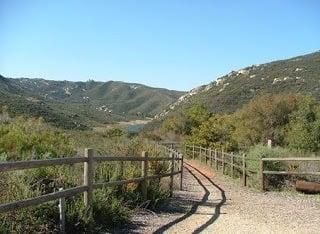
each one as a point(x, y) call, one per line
point(134, 128)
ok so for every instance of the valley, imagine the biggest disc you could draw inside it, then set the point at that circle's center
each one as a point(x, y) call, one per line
point(83, 105)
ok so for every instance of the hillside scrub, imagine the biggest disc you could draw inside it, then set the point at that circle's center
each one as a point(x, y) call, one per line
point(25, 139)
point(289, 120)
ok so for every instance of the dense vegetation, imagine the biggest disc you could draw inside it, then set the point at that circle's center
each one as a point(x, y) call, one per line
point(80, 105)
point(25, 139)
point(289, 120)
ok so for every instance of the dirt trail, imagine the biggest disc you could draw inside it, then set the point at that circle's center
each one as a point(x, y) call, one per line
point(215, 204)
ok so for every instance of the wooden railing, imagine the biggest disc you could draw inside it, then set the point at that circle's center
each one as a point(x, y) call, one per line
point(221, 160)
point(89, 160)
point(264, 172)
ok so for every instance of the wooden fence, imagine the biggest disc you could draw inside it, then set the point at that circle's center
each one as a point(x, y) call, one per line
point(264, 172)
point(222, 160)
point(89, 160)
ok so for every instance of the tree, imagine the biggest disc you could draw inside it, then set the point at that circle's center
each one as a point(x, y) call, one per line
point(183, 122)
point(216, 132)
point(196, 115)
point(175, 123)
point(304, 132)
point(264, 118)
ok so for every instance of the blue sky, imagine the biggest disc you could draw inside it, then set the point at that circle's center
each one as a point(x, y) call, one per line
point(165, 43)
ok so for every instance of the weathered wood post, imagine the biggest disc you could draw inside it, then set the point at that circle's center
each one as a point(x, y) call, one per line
point(222, 159)
point(262, 176)
point(207, 155)
point(62, 214)
point(200, 154)
point(88, 177)
point(211, 157)
point(144, 174)
point(181, 171)
point(215, 158)
point(193, 151)
point(244, 170)
point(201, 150)
point(172, 171)
point(232, 165)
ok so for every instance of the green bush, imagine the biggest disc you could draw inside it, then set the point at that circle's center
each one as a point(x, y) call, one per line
point(114, 132)
point(26, 139)
point(304, 131)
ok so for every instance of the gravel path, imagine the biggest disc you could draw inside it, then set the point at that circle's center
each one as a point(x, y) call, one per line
point(215, 204)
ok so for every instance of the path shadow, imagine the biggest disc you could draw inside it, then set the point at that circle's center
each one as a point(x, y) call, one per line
point(217, 212)
point(195, 205)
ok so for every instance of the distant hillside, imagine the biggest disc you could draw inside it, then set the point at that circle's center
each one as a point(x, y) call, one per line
point(83, 104)
point(227, 94)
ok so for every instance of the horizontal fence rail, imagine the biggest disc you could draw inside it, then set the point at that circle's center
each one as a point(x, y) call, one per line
point(42, 199)
point(222, 160)
point(32, 164)
point(235, 162)
point(89, 185)
point(264, 172)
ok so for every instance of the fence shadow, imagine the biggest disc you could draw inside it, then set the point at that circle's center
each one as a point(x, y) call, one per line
point(217, 212)
point(204, 201)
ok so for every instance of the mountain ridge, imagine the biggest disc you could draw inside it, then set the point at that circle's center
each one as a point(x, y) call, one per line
point(300, 74)
point(85, 103)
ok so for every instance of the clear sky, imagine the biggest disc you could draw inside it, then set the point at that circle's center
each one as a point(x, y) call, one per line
point(163, 43)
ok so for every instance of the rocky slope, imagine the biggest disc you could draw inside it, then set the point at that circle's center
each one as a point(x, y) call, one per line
point(228, 93)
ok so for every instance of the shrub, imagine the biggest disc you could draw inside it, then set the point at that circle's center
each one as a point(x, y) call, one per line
point(304, 131)
point(114, 132)
point(25, 139)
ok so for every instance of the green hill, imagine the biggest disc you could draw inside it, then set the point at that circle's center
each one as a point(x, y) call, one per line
point(83, 104)
point(228, 93)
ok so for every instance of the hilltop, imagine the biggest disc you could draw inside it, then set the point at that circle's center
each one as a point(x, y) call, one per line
point(230, 92)
point(83, 104)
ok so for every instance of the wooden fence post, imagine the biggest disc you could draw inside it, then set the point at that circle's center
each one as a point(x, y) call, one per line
point(222, 159)
point(244, 170)
point(144, 174)
point(193, 151)
point(171, 176)
point(232, 165)
point(211, 159)
point(215, 159)
point(262, 176)
point(88, 177)
point(62, 214)
point(181, 173)
point(205, 155)
point(200, 154)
